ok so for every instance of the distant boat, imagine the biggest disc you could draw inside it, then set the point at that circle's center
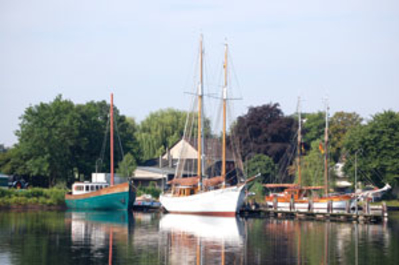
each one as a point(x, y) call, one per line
point(198, 194)
point(299, 194)
point(100, 195)
point(146, 202)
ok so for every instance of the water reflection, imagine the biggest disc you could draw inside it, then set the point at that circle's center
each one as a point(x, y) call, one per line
point(94, 227)
point(99, 230)
point(192, 239)
point(140, 238)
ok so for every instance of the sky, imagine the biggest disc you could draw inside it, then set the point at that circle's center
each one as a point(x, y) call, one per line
point(145, 52)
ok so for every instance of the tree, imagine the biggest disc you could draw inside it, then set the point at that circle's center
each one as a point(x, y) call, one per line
point(127, 166)
point(46, 136)
point(265, 130)
point(162, 129)
point(340, 124)
point(12, 162)
point(264, 165)
point(60, 140)
point(313, 128)
point(94, 144)
point(377, 146)
point(159, 130)
point(312, 167)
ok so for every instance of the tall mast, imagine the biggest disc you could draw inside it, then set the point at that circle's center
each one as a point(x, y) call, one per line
point(224, 117)
point(111, 111)
point(326, 152)
point(200, 127)
point(299, 141)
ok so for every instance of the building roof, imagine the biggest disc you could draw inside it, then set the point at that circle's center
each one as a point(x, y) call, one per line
point(213, 149)
point(152, 173)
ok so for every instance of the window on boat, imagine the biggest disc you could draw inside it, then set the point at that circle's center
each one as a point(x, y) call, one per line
point(87, 187)
point(97, 187)
point(79, 188)
point(92, 187)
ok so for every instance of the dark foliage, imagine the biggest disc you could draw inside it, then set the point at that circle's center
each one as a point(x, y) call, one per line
point(265, 130)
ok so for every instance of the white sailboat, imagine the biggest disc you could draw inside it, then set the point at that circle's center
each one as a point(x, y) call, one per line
point(198, 195)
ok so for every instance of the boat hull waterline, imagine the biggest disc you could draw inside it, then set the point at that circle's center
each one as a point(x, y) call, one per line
point(118, 197)
point(221, 202)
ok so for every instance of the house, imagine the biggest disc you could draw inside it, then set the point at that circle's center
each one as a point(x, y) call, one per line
point(144, 175)
point(163, 169)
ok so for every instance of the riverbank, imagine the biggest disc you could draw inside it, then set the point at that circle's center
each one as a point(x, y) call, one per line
point(34, 198)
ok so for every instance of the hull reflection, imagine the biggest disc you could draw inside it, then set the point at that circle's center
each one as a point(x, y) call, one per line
point(94, 227)
point(193, 239)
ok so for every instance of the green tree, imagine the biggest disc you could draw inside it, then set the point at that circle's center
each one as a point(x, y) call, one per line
point(58, 140)
point(12, 162)
point(46, 136)
point(93, 149)
point(313, 127)
point(378, 141)
point(127, 166)
point(340, 124)
point(264, 165)
point(312, 167)
point(162, 129)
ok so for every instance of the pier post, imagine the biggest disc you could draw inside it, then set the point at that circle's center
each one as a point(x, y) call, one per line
point(367, 206)
point(329, 206)
point(384, 212)
point(292, 204)
point(275, 203)
point(347, 207)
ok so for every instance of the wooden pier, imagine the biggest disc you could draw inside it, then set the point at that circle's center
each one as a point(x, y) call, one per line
point(366, 213)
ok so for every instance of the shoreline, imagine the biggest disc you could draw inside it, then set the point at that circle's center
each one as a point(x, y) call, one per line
point(33, 207)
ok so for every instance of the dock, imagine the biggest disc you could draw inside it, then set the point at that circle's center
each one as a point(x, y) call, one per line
point(366, 213)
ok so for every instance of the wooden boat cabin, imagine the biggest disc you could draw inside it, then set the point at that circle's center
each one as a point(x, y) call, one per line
point(86, 187)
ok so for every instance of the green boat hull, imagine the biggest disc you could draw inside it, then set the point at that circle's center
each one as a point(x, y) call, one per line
point(114, 201)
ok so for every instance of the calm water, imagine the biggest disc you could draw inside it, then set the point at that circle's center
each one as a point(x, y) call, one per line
point(41, 237)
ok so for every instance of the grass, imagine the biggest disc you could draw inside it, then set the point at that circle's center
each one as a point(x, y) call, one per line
point(393, 203)
point(33, 196)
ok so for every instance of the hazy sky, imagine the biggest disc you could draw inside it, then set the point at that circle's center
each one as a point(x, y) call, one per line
point(144, 52)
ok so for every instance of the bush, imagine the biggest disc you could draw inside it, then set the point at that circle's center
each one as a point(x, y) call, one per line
point(5, 193)
point(34, 196)
point(151, 189)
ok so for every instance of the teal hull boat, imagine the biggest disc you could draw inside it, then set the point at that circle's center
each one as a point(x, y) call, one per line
point(118, 197)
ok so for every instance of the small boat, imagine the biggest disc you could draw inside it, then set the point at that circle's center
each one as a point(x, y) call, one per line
point(301, 195)
point(198, 194)
point(146, 202)
point(101, 195)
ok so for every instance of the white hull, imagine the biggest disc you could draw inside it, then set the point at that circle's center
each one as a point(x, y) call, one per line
point(317, 206)
point(220, 202)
